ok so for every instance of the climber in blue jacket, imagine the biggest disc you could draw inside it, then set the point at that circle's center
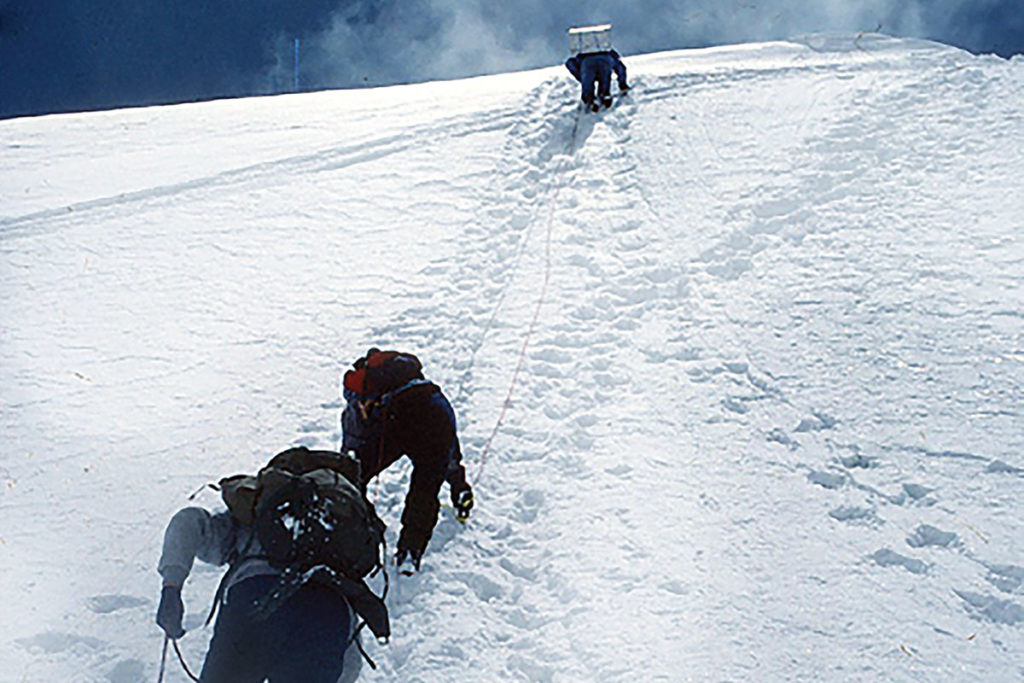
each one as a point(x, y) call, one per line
point(596, 67)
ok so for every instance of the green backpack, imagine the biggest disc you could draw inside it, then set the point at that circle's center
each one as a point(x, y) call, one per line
point(313, 522)
point(308, 510)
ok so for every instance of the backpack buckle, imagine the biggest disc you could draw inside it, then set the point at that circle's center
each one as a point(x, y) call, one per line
point(367, 408)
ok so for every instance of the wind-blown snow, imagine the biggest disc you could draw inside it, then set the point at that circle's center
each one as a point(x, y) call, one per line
point(768, 426)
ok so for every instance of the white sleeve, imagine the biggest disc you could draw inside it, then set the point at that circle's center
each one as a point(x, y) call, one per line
point(193, 532)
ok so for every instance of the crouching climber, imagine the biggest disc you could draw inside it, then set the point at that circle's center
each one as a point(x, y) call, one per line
point(298, 538)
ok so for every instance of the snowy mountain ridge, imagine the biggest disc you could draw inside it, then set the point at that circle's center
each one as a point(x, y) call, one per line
point(769, 310)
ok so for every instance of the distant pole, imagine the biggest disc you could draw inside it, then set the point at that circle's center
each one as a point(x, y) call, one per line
point(296, 65)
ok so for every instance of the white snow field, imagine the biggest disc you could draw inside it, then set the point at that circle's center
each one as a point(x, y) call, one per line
point(769, 421)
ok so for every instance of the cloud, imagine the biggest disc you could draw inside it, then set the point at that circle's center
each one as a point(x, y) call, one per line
point(59, 56)
point(429, 39)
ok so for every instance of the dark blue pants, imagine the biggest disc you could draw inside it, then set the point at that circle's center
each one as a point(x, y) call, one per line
point(302, 641)
point(596, 67)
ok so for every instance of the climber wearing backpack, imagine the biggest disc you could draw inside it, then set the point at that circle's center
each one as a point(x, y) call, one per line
point(593, 63)
point(299, 538)
point(392, 410)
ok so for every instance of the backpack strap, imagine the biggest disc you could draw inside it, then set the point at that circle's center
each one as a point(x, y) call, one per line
point(386, 398)
point(237, 559)
point(358, 595)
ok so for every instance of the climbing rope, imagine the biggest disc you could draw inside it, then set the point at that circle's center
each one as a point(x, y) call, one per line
point(485, 450)
point(181, 659)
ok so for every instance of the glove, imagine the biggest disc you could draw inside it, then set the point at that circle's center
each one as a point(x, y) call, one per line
point(170, 612)
point(407, 561)
point(462, 501)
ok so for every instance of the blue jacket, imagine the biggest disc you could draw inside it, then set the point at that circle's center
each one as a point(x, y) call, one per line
point(597, 66)
point(415, 420)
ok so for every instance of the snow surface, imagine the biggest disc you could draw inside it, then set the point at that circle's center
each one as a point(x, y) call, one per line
point(768, 425)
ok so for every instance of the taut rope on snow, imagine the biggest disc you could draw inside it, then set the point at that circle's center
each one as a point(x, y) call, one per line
point(570, 148)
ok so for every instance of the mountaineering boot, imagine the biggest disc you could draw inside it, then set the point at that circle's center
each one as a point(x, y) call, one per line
point(606, 101)
point(407, 562)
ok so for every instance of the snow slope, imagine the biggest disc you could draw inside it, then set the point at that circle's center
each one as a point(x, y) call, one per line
point(768, 421)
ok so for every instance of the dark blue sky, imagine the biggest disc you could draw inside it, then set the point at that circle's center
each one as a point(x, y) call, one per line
point(72, 55)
